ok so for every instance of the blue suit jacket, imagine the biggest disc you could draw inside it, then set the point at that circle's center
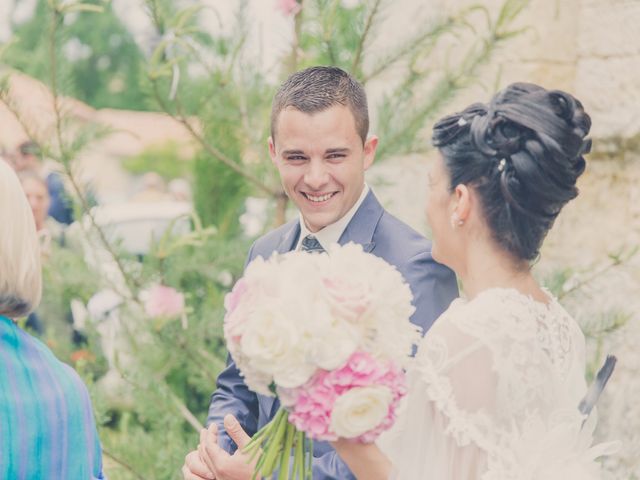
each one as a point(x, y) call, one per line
point(433, 285)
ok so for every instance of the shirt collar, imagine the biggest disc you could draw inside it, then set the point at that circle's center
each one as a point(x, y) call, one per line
point(332, 233)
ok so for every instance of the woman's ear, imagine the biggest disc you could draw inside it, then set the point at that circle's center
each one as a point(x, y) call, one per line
point(462, 202)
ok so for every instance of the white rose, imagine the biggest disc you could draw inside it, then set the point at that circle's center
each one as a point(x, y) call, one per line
point(258, 383)
point(350, 298)
point(330, 340)
point(293, 373)
point(265, 339)
point(360, 279)
point(273, 344)
point(333, 348)
point(359, 410)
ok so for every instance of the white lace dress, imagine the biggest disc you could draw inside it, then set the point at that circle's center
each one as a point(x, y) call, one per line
point(494, 395)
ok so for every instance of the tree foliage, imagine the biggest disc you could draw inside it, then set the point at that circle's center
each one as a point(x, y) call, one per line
point(102, 64)
point(168, 366)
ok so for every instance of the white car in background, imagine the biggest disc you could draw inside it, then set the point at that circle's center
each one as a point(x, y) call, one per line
point(137, 224)
point(131, 228)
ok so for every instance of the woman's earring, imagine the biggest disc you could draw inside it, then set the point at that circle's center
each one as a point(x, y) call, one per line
point(456, 221)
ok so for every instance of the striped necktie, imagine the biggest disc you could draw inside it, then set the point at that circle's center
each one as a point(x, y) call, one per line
point(311, 244)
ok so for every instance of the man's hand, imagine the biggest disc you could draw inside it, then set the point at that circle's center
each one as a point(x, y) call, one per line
point(218, 461)
point(196, 469)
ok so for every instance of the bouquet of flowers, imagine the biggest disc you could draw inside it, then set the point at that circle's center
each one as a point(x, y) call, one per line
point(330, 335)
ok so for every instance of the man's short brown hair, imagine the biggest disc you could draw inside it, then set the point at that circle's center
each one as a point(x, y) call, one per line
point(316, 89)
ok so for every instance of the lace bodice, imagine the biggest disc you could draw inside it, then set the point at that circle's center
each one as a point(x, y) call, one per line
point(495, 382)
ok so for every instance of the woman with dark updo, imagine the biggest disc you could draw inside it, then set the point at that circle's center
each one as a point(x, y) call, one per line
point(495, 388)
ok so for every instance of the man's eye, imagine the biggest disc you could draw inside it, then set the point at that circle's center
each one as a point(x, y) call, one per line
point(334, 156)
point(295, 158)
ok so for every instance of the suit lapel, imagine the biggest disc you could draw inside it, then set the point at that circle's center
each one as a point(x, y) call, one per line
point(359, 230)
point(289, 238)
point(363, 224)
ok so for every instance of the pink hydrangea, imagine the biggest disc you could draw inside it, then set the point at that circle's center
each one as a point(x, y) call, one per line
point(163, 301)
point(311, 405)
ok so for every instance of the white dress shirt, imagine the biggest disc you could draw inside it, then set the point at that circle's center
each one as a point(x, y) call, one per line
point(332, 233)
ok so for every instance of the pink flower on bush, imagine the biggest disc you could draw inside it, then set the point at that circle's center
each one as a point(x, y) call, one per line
point(288, 7)
point(163, 302)
point(358, 400)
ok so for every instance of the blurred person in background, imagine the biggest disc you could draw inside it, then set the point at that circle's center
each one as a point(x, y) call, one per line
point(47, 427)
point(152, 189)
point(29, 157)
point(48, 228)
point(180, 190)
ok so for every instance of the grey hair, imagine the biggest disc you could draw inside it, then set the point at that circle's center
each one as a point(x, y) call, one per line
point(20, 270)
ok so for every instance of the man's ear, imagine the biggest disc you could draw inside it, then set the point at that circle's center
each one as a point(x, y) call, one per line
point(369, 148)
point(272, 150)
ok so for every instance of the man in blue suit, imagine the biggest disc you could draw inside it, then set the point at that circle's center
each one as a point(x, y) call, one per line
point(319, 143)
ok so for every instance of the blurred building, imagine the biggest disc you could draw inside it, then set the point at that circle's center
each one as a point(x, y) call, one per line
point(128, 133)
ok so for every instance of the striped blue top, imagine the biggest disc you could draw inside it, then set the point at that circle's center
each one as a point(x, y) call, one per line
point(47, 429)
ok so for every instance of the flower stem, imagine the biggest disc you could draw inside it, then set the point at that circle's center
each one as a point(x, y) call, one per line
point(274, 444)
point(309, 466)
point(298, 456)
point(286, 452)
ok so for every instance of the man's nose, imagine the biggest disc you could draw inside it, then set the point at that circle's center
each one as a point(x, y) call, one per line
point(316, 175)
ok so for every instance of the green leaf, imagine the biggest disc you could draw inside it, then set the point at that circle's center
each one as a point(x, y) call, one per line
point(186, 15)
point(81, 7)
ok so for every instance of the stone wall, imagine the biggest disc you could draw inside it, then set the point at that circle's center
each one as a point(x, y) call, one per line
point(608, 65)
point(590, 48)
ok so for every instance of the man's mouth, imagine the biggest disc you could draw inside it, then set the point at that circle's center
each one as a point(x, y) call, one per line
point(318, 198)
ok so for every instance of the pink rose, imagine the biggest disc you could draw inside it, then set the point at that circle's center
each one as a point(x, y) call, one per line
point(347, 299)
point(235, 317)
point(288, 7)
point(232, 299)
point(163, 301)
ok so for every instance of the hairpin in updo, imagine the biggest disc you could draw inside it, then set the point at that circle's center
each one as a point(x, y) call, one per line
point(502, 164)
point(462, 122)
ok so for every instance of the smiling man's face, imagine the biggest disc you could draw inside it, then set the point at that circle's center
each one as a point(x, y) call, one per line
point(321, 161)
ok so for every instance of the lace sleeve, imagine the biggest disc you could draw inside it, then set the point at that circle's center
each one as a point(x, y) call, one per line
point(488, 392)
point(445, 427)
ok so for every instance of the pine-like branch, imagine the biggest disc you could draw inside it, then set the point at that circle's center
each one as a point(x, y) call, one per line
point(357, 58)
point(123, 464)
point(65, 156)
point(180, 117)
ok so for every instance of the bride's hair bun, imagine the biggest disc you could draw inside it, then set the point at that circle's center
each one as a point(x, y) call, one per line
point(523, 152)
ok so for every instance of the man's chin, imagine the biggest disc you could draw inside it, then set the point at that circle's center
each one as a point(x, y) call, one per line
point(315, 222)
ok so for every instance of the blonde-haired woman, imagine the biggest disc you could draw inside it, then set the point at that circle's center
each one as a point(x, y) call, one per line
point(47, 429)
